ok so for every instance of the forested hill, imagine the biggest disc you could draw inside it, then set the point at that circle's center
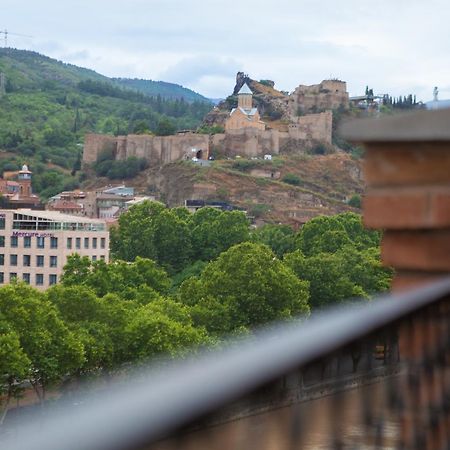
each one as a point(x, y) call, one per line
point(28, 70)
point(48, 107)
point(162, 88)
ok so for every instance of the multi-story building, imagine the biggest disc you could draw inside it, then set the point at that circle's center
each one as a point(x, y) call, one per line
point(34, 245)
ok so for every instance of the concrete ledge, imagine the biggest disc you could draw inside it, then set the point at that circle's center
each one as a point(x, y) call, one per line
point(424, 126)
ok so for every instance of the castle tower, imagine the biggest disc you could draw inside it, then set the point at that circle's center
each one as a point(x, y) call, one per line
point(25, 182)
point(245, 97)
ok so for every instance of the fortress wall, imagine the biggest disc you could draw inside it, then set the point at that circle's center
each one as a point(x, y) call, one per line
point(94, 144)
point(247, 142)
point(330, 94)
point(156, 149)
point(316, 126)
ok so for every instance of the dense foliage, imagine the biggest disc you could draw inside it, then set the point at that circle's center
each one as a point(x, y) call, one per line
point(179, 281)
point(49, 107)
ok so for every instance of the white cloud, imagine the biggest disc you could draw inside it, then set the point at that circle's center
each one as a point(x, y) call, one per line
point(394, 46)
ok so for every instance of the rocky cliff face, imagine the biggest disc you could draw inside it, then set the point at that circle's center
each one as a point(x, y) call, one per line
point(271, 103)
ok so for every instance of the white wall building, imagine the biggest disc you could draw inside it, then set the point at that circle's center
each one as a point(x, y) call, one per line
point(34, 245)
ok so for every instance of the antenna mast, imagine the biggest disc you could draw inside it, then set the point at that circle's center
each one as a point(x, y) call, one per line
point(5, 33)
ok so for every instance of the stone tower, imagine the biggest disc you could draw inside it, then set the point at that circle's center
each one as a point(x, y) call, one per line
point(25, 182)
point(245, 96)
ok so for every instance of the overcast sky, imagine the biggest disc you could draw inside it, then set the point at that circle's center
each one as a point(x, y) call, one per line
point(394, 46)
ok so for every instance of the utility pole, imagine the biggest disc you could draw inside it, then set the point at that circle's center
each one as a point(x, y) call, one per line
point(5, 33)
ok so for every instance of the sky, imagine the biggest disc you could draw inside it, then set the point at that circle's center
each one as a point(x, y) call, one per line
point(393, 46)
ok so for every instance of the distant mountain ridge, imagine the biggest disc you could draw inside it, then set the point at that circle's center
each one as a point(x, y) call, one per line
point(163, 88)
point(48, 106)
point(30, 70)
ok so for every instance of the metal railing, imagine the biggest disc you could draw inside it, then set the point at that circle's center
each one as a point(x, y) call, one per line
point(373, 376)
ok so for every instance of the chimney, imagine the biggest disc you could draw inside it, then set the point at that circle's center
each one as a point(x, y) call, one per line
point(407, 174)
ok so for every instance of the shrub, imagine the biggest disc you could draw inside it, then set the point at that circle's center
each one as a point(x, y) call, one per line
point(259, 209)
point(244, 165)
point(355, 201)
point(319, 149)
point(291, 178)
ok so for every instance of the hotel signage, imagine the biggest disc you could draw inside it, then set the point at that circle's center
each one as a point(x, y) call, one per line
point(31, 233)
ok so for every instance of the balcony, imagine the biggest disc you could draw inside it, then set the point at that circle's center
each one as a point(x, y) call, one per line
point(374, 377)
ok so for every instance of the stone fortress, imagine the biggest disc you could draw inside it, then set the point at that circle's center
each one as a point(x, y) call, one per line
point(303, 118)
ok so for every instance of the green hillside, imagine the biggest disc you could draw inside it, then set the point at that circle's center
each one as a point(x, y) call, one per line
point(162, 88)
point(48, 106)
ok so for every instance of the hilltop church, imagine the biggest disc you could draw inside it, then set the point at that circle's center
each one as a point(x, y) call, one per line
point(245, 115)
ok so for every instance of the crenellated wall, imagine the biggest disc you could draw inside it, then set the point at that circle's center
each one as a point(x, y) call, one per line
point(157, 150)
point(329, 94)
point(248, 142)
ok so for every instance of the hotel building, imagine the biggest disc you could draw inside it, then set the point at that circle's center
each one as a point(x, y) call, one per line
point(34, 245)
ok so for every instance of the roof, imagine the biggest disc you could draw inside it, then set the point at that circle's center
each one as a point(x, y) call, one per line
point(56, 216)
point(424, 126)
point(245, 90)
point(247, 112)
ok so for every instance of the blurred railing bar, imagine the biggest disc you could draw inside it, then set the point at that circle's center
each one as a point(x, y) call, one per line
point(153, 404)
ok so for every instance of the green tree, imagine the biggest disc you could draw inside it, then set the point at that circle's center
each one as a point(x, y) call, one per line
point(253, 286)
point(14, 366)
point(172, 237)
point(280, 238)
point(214, 231)
point(331, 233)
point(76, 270)
point(152, 332)
point(329, 282)
point(135, 234)
point(165, 127)
point(53, 350)
point(141, 278)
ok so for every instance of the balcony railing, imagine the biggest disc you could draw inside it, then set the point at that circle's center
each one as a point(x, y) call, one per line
point(373, 376)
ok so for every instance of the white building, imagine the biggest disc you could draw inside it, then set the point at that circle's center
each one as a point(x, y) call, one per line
point(34, 245)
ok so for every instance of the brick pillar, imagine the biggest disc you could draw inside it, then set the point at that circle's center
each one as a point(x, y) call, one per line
point(407, 172)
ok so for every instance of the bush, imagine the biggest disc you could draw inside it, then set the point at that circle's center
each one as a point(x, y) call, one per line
point(244, 165)
point(291, 178)
point(319, 149)
point(211, 129)
point(259, 209)
point(355, 201)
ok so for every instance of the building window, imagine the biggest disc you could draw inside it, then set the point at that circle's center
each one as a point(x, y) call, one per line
point(78, 242)
point(2, 223)
point(53, 261)
point(94, 258)
point(2, 259)
point(86, 242)
point(102, 257)
point(69, 242)
point(52, 279)
point(94, 242)
point(40, 260)
point(40, 242)
point(2, 277)
point(39, 279)
point(27, 241)
point(102, 243)
point(14, 241)
point(53, 242)
point(13, 260)
point(12, 277)
point(26, 278)
point(27, 260)
point(2, 241)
